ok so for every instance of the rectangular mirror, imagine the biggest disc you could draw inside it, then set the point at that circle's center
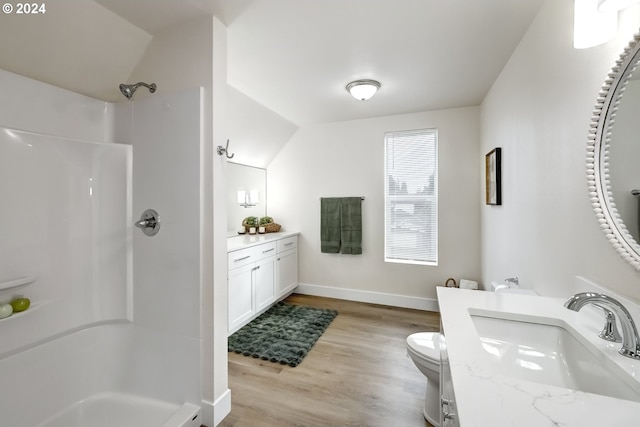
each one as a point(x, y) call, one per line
point(246, 194)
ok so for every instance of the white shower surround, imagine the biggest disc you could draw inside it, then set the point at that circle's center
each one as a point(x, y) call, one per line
point(81, 343)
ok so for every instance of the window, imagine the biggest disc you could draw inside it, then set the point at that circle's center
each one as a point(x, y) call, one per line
point(411, 197)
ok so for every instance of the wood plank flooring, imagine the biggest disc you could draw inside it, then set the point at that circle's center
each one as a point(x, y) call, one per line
point(357, 374)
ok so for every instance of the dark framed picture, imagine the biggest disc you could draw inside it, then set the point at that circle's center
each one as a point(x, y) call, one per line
point(493, 185)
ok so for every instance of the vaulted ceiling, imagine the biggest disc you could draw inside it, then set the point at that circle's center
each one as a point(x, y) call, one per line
point(297, 56)
point(293, 57)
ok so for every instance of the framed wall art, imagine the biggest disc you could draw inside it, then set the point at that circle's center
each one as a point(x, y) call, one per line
point(493, 165)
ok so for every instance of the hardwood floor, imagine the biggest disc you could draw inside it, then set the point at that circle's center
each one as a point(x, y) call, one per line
point(357, 374)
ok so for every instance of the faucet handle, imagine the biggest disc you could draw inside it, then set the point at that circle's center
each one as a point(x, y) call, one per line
point(610, 330)
point(513, 280)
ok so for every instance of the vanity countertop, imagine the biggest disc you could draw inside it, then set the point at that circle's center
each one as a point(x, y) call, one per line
point(487, 398)
point(242, 241)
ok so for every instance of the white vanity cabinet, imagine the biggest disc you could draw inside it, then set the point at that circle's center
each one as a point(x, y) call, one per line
point(262, 270)
point(447, 398)
point(287, 266)
point(251, 281)
point(264, 274)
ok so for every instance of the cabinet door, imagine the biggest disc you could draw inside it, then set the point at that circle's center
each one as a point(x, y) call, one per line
point(449, 416)
point(287, 272)
point(264, 282)
point(240, 295)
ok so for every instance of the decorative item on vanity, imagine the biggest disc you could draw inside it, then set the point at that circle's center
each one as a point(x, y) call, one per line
point(424, 350)
point(250, 222)
point(493, 166)
point(261, 225)
point(464, 284)
point(266, 223)
point(468, 284)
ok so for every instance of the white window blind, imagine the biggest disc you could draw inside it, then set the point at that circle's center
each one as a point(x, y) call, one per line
point(411, 197)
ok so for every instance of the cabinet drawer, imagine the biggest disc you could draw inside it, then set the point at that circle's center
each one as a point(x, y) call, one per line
point(240, 258)
point(265, 250)
point(288, 243)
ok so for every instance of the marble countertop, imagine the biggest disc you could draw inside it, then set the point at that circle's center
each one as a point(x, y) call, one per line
point(242, 241)
point(486, 398)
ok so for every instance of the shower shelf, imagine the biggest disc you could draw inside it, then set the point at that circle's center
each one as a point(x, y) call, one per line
point(17, 282)
point(33, 307)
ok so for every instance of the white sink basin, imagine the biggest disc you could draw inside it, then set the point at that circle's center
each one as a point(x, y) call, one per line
point(550, 354)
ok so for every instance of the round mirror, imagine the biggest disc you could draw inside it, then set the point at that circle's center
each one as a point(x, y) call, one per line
point(613, 156)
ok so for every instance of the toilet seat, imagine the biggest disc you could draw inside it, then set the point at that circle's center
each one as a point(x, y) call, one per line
point(425, 346)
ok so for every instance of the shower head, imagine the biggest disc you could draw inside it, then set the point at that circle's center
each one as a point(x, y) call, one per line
point(129, 90)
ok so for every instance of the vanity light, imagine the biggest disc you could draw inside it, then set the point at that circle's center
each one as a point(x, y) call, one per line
point(590, 26)
point(363, 89)
point(615, 5)
point(247, 198)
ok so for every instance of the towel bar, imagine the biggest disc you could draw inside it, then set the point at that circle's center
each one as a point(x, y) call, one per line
point(361, 198)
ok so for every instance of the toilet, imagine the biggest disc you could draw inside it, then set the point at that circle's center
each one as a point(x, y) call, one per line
point(424, 350)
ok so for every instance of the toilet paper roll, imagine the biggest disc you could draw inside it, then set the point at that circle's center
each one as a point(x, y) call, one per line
point(468, 284)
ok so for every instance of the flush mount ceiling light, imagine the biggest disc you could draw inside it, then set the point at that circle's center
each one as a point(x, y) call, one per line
point(614, 5)
point(363, 89)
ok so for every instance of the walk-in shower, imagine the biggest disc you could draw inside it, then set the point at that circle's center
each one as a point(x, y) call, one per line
point(93, 348)
point(129, 90)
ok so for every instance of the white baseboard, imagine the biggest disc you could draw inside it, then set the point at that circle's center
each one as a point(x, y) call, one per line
point(427, 304)
point(214, 412)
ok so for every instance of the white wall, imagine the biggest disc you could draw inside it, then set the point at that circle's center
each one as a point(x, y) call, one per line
point(539, 111)
point(166, 292)
point(346, 159)
point(58, 112)
point(194, 55)
point(256, 133)
point(76, 45)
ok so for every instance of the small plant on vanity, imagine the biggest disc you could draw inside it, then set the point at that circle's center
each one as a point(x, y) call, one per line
point(266, 220)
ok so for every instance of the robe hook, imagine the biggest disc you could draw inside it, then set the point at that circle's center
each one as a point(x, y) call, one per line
point(225, 150)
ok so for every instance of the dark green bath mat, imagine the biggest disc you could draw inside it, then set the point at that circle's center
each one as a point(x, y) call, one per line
point(285, 333)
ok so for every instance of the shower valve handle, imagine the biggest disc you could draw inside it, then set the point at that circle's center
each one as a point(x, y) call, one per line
point(149, 222)
point(144, 223)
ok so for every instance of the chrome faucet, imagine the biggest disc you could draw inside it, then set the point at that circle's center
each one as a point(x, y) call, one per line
point(512, 280)
point(610, 330)
point(630, 340)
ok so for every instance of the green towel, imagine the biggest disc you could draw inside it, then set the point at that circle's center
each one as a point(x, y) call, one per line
point(330, 225)
point(351, 226)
